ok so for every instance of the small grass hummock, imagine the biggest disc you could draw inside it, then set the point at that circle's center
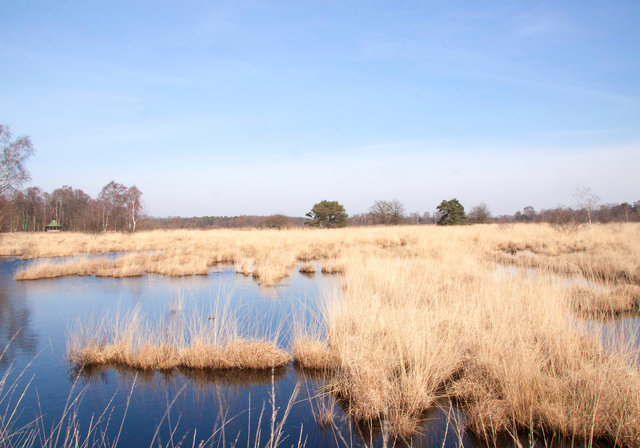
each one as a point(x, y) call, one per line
point(242, 354)
point(181, 342)
point(622, 300)
point(308, 268)
point(313, 355)
point(333, 269)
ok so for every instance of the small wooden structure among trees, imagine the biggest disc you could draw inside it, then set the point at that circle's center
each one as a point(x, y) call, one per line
point(53, 226)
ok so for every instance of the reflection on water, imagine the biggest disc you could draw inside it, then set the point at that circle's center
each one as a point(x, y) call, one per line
point(202, 378)
point(16, 329)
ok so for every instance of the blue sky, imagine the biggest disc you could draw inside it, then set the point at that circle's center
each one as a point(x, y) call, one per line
point(261, 107)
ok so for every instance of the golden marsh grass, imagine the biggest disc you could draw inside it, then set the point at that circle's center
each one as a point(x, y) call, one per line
point(424, 314)
point(191, 341)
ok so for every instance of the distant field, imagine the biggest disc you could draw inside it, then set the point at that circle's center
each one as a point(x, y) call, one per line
point(494, 318)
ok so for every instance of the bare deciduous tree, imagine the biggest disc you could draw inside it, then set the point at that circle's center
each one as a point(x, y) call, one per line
point(479, 214)
point(564, 220)
point(529, 213)
point(387, 212)
point(415, 218)
point(587, 200)
point(275, 222)
point(13, 157)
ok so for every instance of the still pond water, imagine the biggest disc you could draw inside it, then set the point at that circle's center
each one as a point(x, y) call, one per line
point(35, 318)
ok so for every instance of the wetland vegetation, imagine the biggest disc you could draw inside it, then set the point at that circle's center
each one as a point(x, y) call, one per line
point(422, 314)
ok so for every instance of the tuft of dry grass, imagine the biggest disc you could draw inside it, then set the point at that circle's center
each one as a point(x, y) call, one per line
point(403, 425)
point(308, 268)
point(314, 355)
point(623, 300)
point(192, 342)
point(606, 253)
point(244, 266)
point(240, 354)
point(333, 268)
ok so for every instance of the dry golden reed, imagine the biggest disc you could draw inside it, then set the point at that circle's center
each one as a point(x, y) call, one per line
point(312, 354)
point(425, 313)
point(606, 302)
point(440, 321)
point(268, 255)
point(195, 341)
point(308, 268)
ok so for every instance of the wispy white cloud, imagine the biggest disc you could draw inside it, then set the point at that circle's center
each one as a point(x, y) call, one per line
point(507, 180)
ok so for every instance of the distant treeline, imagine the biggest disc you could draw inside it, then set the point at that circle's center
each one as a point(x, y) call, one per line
point(119, 208)
point(605, 213)
point(223, 222)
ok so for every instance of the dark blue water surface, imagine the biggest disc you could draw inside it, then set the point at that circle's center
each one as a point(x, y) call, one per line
point(36, 316)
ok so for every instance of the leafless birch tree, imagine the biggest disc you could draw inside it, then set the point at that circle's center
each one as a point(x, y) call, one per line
point(13, 157)
point(587, 200)
point(134, 206)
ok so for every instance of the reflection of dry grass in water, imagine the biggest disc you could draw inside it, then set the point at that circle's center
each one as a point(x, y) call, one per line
point(323, 408)
point(68, 431)
point(193, 342)
point(202, 378)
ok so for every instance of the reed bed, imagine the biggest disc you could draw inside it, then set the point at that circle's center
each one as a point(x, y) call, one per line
point(606, 302)
point(268, 255)
point(422, 315)
point(606, 253)
point(412, 330)
point(314, 355)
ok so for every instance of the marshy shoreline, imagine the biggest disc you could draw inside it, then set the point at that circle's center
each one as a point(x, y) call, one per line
point(422, 315)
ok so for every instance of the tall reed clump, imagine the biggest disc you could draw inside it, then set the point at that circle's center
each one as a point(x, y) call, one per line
point(309, 335)
point(396, 348)
point(439, 322)
point(198, 340)
point(11, 396)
